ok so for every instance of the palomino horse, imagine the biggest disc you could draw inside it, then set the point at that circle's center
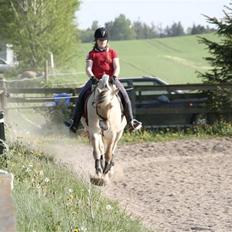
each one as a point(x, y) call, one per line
point(106, 124)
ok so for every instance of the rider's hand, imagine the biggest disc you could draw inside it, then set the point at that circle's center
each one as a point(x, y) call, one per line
point(94, 80)
point(112, 79)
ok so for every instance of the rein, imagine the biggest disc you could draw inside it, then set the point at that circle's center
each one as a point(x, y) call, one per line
point(100, 116)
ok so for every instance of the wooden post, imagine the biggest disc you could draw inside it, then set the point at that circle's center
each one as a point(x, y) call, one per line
point(7, 209)
point(3, 94)
point(46, 71)
point(52, 65)
point(2, 133)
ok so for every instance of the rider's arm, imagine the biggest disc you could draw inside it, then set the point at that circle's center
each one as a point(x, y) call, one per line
point(116, 66)
point(89, 65)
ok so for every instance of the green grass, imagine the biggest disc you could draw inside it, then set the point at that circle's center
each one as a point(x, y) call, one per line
point(48, 197)
point(174, 59)
point(218, 129)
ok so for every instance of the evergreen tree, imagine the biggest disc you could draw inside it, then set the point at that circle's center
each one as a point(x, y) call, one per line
point(143, 31)
point(220, 60)
point(176, 29)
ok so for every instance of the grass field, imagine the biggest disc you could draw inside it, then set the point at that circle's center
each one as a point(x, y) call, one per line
point(175, 60)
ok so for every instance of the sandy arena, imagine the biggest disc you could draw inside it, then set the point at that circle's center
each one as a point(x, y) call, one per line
point(176, 186)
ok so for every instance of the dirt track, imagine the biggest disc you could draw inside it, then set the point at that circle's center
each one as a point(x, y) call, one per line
point(173, 186)
point(183, 185)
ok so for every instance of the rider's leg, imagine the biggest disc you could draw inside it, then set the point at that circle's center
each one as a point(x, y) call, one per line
point(79, 107)
point(133, 123)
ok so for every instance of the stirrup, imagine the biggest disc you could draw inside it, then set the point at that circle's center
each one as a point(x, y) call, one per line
point(135, 125)
point(71, 126)
point(68, 123)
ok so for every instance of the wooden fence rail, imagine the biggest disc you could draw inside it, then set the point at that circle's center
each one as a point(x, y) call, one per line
point(143, 97)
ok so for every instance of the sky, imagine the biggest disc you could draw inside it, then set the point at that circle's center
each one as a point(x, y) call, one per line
point(158, 12)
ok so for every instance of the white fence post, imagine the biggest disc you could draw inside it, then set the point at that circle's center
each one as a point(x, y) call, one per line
point(7, 208)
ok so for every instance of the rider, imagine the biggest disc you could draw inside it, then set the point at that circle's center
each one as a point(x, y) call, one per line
point(102, 60)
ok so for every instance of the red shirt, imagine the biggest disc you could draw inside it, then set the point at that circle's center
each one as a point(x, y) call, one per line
point(102, 62)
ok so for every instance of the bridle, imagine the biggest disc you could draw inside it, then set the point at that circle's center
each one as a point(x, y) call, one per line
point(96, 105)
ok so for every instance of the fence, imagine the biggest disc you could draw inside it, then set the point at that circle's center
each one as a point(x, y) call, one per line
point(154, 105)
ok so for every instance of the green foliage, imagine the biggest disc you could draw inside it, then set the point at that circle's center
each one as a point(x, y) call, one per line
point(49, 197)
point(220, 61)
point(175, 30)
point(58, 114)
point(199, 29)
point(219, 128)
point(121, 28)
point(143, 31)
point(36, 28)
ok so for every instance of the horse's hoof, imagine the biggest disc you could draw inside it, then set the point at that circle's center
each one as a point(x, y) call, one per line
point(96, 180)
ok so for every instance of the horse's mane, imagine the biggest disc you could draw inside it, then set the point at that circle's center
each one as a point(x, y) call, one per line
point(102, 96)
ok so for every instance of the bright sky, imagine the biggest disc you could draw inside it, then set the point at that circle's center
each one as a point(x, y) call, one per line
point(159, 12)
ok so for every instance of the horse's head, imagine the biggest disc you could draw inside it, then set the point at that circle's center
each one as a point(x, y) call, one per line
point(104, 82)
point(105, 92)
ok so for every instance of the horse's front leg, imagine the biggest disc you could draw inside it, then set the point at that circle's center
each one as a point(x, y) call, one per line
point(97, 153)
point(108, 157)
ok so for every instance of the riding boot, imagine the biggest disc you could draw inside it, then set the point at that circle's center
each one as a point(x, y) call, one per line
point(79, 108)
point(76, 117)
point(133, 123)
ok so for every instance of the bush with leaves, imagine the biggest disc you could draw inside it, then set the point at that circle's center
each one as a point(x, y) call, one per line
point(221, 62)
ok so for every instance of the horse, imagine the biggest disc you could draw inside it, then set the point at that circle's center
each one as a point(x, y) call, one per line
point(106, 123)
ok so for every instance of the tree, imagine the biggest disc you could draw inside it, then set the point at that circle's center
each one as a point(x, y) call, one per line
point(143, 31)
point(95, 25)
point(38, 27)
point(88, 34)
point(220, 60)
point(121, 29)
point(176, 29)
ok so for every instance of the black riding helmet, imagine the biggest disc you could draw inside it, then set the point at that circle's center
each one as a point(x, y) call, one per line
point(101, 33)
